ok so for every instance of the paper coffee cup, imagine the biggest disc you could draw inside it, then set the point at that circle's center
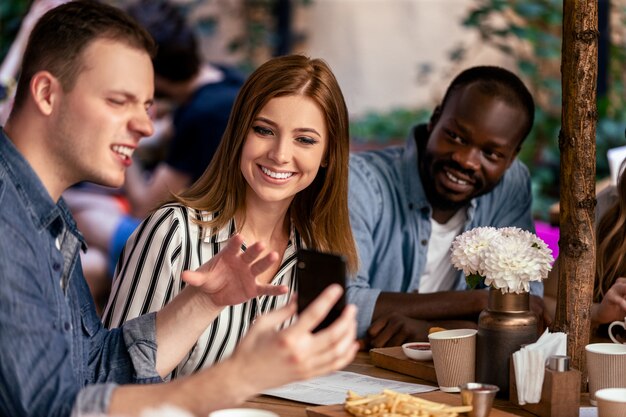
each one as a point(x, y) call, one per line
point(611, 402)
point(606, 363)
point(454, 356)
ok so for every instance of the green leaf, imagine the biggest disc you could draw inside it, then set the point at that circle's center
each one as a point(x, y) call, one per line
point(473, 280)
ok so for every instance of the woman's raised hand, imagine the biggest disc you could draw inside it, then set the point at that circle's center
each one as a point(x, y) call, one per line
point(229, 278)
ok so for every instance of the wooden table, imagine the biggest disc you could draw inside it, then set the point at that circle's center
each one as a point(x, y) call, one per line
point(361, 365)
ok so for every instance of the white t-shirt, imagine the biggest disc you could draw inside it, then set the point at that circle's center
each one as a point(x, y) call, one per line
point(439, 274)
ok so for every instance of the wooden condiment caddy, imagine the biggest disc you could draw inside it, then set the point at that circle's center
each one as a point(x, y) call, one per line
point(560, 393)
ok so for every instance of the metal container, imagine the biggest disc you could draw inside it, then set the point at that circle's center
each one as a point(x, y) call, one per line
point(479, 396)
point(558, 363)
point(503, 328)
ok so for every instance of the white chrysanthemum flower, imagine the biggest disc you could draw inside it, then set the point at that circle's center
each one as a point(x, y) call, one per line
point(467, 249)
point(508, 258)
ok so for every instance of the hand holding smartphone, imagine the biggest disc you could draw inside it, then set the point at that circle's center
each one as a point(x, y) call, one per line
point(314, 272)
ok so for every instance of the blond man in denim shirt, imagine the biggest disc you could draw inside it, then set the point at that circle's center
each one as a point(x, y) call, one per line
point(80, 109)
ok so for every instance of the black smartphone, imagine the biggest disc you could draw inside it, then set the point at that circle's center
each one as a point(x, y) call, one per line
point(314, 272)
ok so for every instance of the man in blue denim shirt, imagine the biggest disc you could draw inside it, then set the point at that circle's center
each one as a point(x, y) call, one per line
point(80, 108)
point(408, 203)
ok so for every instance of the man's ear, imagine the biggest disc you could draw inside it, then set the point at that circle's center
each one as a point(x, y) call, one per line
point(44, 89)
point(434, 118)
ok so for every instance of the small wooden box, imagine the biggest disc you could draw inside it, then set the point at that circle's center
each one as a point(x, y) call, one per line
point(560, 394)
point(394, 359)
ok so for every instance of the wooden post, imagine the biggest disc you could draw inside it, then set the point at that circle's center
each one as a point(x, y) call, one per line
point(577, 176)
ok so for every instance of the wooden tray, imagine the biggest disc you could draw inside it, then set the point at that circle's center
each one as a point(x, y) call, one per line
point(337, 410)
point(394, 359)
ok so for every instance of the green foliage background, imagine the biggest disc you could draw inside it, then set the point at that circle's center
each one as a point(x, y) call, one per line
point(11, 13)
point(527, 30)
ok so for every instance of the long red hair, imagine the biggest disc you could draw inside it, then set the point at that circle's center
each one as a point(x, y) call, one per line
point(319, 212)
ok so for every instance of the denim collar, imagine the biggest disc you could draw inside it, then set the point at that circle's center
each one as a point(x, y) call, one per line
point(43, 211)
point(410, 169)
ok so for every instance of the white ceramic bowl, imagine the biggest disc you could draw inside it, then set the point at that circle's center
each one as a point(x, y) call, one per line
point(420, 351)
point(242, 412)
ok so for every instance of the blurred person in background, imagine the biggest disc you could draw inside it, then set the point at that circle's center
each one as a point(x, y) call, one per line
point(609, 293)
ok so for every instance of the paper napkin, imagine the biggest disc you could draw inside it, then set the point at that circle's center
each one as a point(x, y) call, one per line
point(530, 364)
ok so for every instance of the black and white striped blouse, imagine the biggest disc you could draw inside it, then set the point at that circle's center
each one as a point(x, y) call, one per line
point(148, 277)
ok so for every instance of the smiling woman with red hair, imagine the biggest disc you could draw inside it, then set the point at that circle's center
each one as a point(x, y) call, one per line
point(280, 176)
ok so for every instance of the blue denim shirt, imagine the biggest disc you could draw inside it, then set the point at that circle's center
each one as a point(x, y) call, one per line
point(390, 219)
point(56, 359)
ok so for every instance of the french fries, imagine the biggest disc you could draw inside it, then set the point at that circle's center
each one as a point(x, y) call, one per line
point(394, 404)
point(436, 329)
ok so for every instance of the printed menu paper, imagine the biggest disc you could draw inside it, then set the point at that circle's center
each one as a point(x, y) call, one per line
point(333, 388)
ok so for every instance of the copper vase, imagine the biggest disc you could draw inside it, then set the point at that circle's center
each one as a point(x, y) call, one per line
point(503, 328)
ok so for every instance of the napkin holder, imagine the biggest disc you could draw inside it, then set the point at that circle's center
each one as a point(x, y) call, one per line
point(560, 393)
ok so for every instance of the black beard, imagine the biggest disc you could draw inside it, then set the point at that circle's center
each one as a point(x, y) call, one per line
point(444, 204)
point(435, 200)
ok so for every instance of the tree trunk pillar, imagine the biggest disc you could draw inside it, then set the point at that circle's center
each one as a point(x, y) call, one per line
point(577, 176)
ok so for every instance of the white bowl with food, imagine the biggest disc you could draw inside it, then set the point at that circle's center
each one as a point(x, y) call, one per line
point(419, 351)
